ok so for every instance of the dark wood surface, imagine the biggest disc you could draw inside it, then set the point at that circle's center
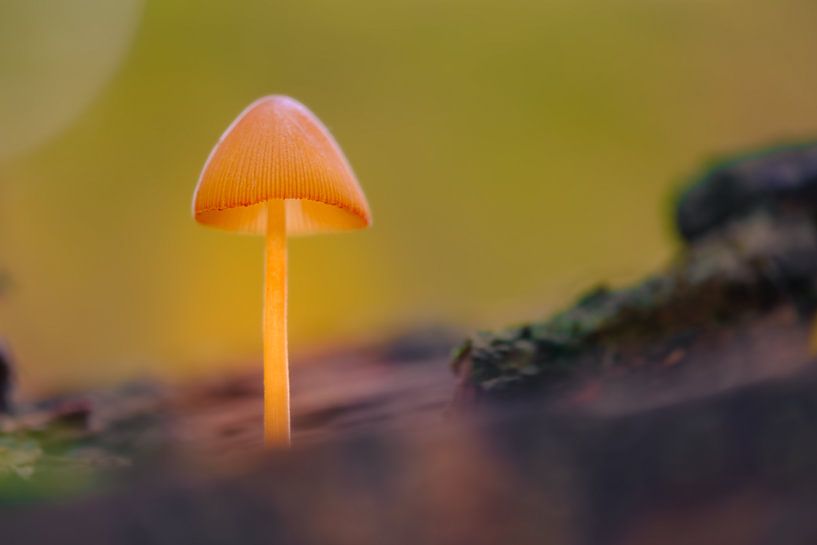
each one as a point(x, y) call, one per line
point(717, 445)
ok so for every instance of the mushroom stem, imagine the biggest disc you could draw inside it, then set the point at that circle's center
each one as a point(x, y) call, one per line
point(276, 365)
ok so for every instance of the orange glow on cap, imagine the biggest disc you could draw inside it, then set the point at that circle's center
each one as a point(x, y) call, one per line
point(278, 149)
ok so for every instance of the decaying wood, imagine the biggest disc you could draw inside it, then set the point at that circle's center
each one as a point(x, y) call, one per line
point(680, 410)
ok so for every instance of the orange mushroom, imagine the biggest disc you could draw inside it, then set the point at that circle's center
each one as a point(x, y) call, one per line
point(278, 171)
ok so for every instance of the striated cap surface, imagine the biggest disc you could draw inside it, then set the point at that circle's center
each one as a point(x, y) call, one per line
point(278, 149)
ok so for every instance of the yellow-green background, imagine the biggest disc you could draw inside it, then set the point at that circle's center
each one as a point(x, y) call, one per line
point(513, 152)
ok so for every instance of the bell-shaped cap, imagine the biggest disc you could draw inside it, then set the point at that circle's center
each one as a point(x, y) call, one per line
point(278, 149)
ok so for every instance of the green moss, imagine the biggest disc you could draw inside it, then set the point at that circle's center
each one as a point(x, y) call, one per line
point(757, 263)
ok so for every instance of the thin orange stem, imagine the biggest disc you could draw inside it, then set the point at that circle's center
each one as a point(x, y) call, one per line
point(276, 364)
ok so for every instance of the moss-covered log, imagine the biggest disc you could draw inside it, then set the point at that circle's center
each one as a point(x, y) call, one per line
point(751, 249)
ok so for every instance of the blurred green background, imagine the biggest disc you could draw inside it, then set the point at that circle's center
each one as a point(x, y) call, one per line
point(514, 152)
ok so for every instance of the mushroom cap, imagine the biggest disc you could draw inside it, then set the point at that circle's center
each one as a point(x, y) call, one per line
point(278, 149)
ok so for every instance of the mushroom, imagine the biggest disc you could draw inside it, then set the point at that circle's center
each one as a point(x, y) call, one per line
point(277, 171)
